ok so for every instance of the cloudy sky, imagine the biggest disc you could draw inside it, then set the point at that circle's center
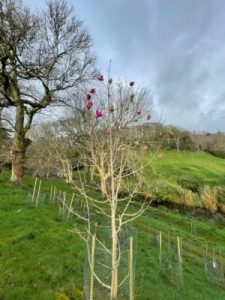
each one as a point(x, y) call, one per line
point(175, 48)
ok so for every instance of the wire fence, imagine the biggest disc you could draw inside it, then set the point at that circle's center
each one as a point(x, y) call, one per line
point(172, 250)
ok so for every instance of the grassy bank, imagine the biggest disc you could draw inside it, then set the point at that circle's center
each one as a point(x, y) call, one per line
point(172, 165)
point(41, 259)
point(195, 179)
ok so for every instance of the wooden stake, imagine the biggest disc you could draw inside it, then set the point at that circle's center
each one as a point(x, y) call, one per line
point(58, 198)
point(54, 193)
point(160, 249)
point(92, 266)
point(51, 193)
point(64, 199)
point(169, 246)
point(214, 259)
point(38, 194)
point(71, 203)
point(131, 269)
point(34, 190)
point(178, 249)
point(180, 260)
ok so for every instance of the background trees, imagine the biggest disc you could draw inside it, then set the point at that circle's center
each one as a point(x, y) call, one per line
point(42, 58)
point(54, 152)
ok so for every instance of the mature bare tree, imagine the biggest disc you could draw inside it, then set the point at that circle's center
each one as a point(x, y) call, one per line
point(42, 56)
point(111, 116)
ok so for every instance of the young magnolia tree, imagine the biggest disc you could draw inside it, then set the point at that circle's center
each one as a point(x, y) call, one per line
point(43, 56)
point(113, 113)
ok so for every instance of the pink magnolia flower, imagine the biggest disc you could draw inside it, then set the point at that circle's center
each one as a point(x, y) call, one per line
point(131, 83)
point(149, 117)
point(88, 96)
point(98, 114)
point(100, 78)
point(93, 91)
point(89, 105)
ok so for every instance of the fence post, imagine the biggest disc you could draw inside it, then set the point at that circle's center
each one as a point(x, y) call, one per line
point(54, 194)
point(180, 260)
point(64, 199)
point(178, 249)
point(58, 197)
point(51, 193)
point(131, 269)
point(38, 194)
point(71, 203)
point(160, 249)
point(34, 190)
point(92, 266)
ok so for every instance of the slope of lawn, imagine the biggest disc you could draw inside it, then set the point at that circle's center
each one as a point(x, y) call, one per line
point(172, 165)
point(171, 176)
point(41, 259)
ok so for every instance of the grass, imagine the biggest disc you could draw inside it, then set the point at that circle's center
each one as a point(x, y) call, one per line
point(184, 177)
point(39, 256)
point(41, 259)
point(172, 165)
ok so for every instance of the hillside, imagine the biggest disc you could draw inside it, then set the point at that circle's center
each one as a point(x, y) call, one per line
point(41, 259)
point(192, 179)
point(172, 165)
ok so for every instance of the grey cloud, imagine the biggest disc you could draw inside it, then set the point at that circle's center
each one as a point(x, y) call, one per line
point(175, 47)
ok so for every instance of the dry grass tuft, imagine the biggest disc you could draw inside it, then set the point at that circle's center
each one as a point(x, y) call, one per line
point(209, 198)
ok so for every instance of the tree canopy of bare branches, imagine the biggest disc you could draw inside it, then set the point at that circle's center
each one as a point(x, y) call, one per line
point(42, 57)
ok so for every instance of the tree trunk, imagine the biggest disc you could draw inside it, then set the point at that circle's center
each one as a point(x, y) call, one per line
point(17, 155)
point(103, 187)
point(19, 147)
point(177, 145)
point(114, 278)
point(102, 174)
point(68, 171)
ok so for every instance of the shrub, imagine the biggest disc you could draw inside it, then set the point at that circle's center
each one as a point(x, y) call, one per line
point(221, 194)
point(217, 153)
point(61, 296)
point(190, 183)
point(221, 198)
point(168, 192)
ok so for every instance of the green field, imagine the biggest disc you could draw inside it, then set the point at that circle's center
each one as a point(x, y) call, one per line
point(171, 165)
point(41, 259)
point(173, 175)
